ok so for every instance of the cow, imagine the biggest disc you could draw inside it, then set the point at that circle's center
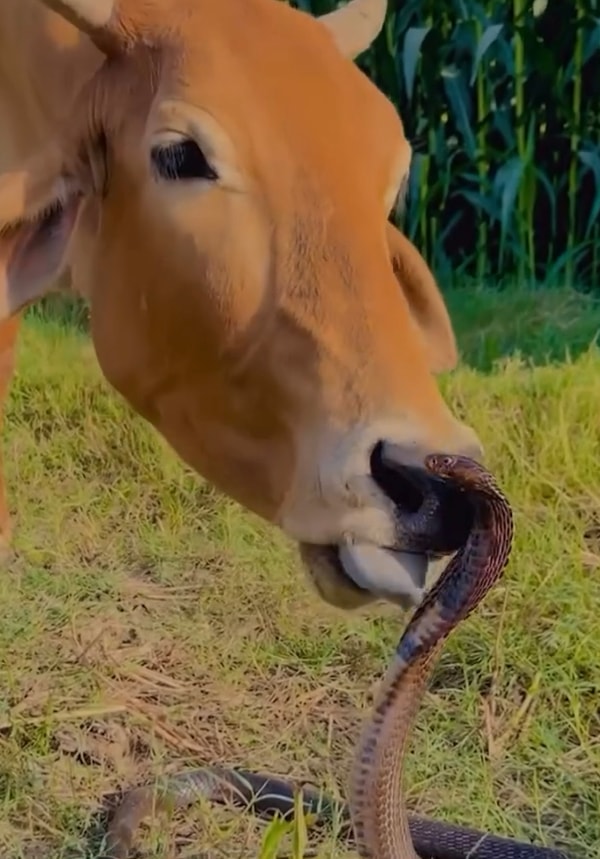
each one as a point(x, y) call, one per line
point(216, 180)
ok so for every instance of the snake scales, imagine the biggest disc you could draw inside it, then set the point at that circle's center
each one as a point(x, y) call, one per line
point(376, 816)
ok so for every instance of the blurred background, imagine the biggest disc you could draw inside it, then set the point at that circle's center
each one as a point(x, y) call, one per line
point(501, 102)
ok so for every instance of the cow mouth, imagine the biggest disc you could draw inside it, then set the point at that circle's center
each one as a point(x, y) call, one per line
point(398, 573)
point(363, 572)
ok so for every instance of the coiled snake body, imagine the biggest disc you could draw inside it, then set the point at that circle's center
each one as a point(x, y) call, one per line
point(377, 817)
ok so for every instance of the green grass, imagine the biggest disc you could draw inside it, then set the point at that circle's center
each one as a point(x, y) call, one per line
point(149, 624)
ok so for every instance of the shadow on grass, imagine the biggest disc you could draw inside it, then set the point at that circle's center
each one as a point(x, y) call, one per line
point(63, 309)
point(537, 325)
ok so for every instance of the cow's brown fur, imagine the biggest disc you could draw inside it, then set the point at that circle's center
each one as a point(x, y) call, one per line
point(273, 325)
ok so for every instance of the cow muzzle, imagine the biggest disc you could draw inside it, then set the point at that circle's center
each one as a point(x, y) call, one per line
point(432, 520)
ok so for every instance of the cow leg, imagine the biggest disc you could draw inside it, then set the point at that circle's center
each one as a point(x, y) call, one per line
point(8, 337)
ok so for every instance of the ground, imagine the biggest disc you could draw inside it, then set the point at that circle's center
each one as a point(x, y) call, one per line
point(148, 624)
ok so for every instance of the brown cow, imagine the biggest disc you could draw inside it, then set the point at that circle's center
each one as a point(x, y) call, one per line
point(217, 177)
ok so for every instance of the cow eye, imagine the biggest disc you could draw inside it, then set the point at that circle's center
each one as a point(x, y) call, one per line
point(180, 161)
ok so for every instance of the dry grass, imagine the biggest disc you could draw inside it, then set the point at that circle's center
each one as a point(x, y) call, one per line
point(148, 624)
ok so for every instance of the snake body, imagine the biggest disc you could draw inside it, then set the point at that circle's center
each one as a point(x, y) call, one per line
point(376, 799)
point(376, 816)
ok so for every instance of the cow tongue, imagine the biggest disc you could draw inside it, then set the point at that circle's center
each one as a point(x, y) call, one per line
point(397, 577)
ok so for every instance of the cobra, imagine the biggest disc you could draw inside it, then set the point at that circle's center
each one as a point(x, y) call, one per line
point(377, 815)
point(376, 798)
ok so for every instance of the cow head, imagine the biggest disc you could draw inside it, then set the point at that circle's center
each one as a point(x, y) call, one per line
point(220, 192)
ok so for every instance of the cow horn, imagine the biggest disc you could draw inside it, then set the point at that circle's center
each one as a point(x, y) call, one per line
point(355, 25)
point(98, 19)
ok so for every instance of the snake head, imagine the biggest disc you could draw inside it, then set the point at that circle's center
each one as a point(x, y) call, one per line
point(462, 470)
point(442, 464)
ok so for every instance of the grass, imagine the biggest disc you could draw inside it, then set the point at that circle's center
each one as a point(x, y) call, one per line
point(148, 624)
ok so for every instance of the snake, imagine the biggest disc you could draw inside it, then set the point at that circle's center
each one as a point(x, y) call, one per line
point(375, 817)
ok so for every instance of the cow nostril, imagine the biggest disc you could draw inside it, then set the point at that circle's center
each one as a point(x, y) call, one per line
point(404, 487)
point(409, 486)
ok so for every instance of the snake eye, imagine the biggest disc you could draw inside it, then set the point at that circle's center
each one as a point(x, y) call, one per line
point(437, 462)
point(440, 462)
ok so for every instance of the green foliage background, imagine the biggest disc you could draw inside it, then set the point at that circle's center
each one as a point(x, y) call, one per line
point(501, 102)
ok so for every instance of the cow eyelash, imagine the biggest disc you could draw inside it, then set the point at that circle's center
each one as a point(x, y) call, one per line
point(181, 161)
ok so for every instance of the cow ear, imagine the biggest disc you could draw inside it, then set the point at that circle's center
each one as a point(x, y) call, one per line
point(39, 208)
point(424, 299)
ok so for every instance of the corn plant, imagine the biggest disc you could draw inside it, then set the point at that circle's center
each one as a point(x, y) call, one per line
point(501, 103)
